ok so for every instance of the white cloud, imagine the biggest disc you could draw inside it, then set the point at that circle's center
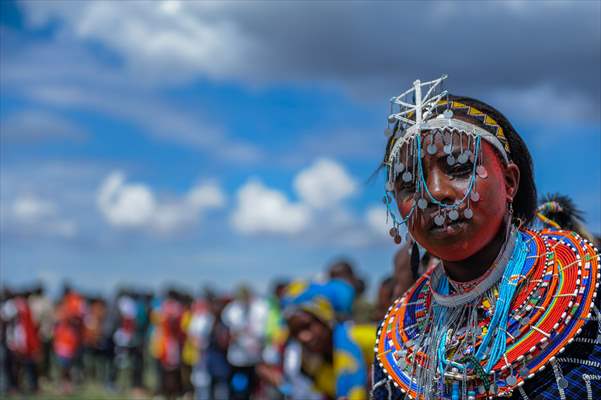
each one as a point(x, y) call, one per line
point(260, 209)
point(158, 38)
point(376, 219)
point(321, 186)
point(134, 205)
point(177, 41)
point(31, 208)
point(38, 216)
point(324, 184)
point(127, 205)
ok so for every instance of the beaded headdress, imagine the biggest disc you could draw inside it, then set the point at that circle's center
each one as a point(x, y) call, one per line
point(417, 117)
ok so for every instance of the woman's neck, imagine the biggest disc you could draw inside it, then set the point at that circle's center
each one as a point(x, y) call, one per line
point(475, 266)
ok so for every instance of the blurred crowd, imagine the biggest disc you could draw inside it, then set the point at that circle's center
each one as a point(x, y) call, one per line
point(297, 342)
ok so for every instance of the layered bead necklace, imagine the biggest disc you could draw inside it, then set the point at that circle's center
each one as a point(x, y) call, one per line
point(440, 342)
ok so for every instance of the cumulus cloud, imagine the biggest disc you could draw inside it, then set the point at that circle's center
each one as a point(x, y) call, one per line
point(135, 205)
point(375, 50)
point(260, 209)
point(34, 215)
point(323, 184)
point(321, 188)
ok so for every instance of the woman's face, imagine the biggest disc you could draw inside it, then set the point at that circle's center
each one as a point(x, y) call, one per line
point(462, 238)
point(313, 334)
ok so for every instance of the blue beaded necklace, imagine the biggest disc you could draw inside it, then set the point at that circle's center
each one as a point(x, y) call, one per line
point(498, 322)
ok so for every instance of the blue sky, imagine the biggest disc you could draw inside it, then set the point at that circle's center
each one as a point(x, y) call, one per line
point(213, 143)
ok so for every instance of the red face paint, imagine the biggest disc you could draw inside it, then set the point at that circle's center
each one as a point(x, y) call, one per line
point(464, 237)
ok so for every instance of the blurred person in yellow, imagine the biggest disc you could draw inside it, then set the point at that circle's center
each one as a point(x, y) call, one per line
point(336, 354)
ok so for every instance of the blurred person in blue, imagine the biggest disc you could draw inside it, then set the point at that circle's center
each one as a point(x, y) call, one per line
point(336, 354)
point(246, 319)
point(218, 367)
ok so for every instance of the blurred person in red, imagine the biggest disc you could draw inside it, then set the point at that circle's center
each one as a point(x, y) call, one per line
point(22, 342)
point(68, 334)
point(167, 343)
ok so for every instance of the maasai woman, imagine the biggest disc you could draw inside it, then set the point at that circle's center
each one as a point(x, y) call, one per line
point(509, 311)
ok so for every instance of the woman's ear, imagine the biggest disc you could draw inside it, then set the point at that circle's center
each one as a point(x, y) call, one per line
point(512, 180)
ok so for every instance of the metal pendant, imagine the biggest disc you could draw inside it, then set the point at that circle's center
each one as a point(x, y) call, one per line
point(422, 203)
point(481, 171)
point(398, 168)
point(447, 114)
point(453, 215)
point(439, 219)
point(432, 149)
point(562, 383)
point(448, 148)
point(407, 176)
point(450, 160)
point(474, 196)
point(468, 213)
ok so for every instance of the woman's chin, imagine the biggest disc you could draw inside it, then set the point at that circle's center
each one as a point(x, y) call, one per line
point(452, 246)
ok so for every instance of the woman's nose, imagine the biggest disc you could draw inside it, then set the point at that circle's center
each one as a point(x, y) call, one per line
point(305, 336)
point(440, 187)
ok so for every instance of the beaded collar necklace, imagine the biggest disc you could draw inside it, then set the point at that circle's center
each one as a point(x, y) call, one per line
point(433, 344)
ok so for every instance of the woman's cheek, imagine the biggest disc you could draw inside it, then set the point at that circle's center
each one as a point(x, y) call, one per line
point(404, 207)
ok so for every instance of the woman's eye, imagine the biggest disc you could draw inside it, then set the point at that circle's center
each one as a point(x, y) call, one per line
point(405, 186)
point(461, 169)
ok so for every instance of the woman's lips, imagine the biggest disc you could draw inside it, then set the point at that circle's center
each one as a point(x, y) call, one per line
point(449, 229)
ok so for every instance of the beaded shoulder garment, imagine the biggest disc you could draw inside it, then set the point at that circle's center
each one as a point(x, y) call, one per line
point(444, 341)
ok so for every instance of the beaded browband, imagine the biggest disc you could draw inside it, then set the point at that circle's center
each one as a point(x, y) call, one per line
point(417, 117)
